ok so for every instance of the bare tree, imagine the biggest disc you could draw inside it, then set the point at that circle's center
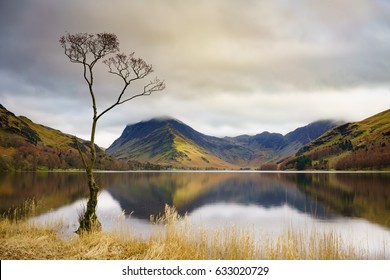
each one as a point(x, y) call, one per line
point(87, 49)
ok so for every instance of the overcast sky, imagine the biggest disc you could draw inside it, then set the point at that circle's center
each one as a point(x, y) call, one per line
point(231, 66)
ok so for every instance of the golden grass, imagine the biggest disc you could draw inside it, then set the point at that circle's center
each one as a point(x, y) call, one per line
point(177, 241)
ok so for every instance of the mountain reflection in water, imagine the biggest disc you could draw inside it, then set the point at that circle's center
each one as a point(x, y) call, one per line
point(320, 195)
point(356, 205)
point(147, 193)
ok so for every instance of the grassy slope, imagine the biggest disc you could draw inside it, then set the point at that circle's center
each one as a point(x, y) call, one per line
point(191, 155)
point(167, 146)
point(369, 142)
point(49, 136)
point(25, 128)
point(25, 145)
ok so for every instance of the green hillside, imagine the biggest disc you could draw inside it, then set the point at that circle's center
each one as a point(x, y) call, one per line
point(357, 145)
point(25, 145)
point(167, 143)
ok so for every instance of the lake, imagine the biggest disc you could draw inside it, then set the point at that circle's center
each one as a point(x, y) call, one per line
point(355, 205)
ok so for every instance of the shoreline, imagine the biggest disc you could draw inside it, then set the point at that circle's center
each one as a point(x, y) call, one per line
point(206, 171)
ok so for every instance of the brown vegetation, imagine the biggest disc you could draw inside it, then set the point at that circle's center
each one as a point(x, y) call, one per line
point(178, 240)
point(375, 158)
point(19, 155)
point(269, 166)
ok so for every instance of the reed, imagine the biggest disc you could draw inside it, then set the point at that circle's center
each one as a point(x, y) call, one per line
point(178, 239)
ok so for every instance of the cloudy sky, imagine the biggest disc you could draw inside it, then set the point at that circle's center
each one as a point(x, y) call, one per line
point(231, 66)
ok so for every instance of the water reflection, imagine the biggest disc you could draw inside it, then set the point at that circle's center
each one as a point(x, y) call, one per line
point(356, 205)
point(145, 194)
point(320, 195)
point(363, 195)
point(51, 188)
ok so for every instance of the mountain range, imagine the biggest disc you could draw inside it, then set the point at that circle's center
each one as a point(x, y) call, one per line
point(163, 143)
point(170, 142)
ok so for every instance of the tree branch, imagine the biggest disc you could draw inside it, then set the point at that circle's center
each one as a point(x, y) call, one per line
point(88, 49)
point(80, 153)
point(115, 104)
point(153, 86)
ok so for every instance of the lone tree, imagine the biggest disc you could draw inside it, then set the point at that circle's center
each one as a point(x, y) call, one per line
point(86, 50)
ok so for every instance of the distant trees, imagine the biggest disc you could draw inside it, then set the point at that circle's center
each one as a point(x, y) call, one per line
point(302, 162)
point(298, 163)
point(5, 164)
point(375, 158)
point(269, 166)
point(345, 145)
point(86, 50)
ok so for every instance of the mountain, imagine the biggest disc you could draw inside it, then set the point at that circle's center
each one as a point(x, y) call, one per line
point(312, 131)
point(355, 145)
point(25, 145)
point(269, 147)
point(170, 142)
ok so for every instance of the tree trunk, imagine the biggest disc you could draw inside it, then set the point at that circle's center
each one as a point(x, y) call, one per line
point(89, 221)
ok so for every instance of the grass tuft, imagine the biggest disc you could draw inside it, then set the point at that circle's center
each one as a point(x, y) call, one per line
point(177, 240)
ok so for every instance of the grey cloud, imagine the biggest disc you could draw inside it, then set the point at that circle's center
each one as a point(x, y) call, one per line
point(204, 40)
point(224, 61)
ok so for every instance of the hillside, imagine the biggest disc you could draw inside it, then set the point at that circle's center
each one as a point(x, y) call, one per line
point(25, 145)
point(170, 142)
point(356, 145)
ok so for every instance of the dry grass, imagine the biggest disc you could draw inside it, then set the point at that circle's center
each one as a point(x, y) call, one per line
point(178, 240)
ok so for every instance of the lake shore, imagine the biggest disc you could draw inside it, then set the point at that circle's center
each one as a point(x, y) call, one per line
point(22, 240)
point(170, 170)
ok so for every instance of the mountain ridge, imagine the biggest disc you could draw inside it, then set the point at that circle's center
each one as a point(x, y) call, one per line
point(170, 142)
point(355, 145)
point(166, 142)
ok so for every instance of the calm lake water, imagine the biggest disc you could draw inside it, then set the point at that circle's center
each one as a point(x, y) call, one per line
point(355, 205)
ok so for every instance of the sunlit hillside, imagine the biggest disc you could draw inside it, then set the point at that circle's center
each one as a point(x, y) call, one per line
point(356, 145)
point(25, 145)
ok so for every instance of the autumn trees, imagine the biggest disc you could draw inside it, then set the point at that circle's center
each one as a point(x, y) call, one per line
point(87, 50)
